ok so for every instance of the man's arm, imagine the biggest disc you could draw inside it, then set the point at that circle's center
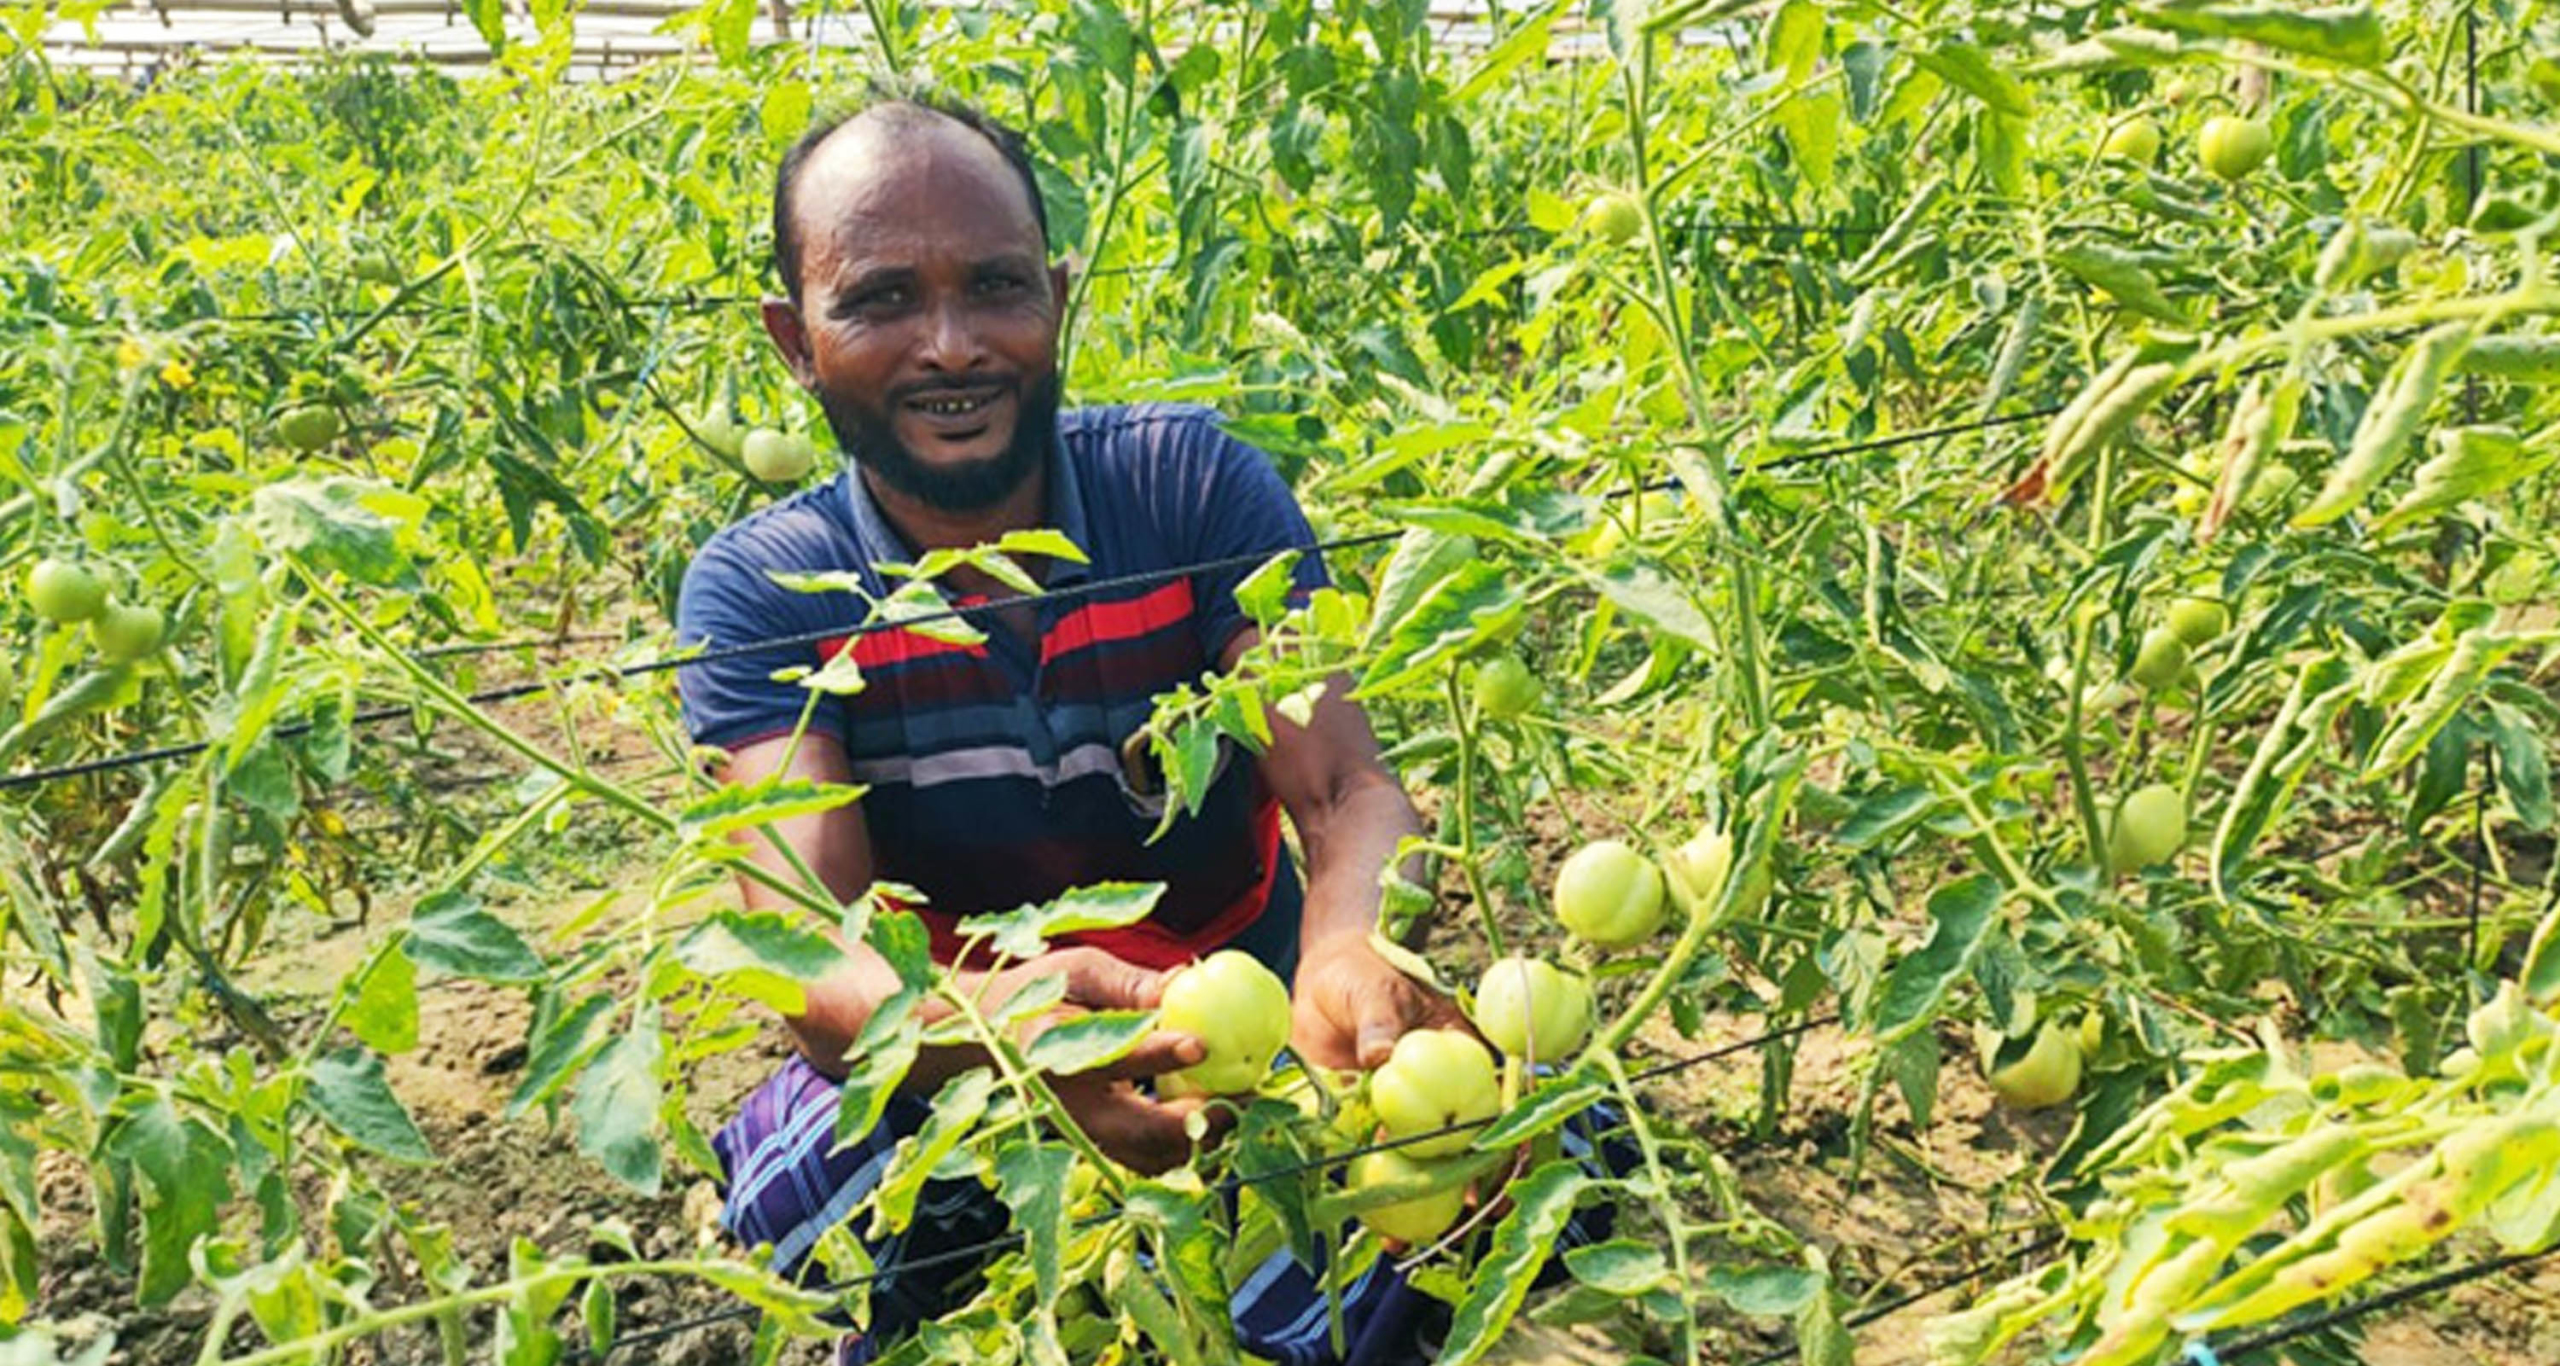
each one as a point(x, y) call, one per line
point(836, 846)
point(1351, 1004)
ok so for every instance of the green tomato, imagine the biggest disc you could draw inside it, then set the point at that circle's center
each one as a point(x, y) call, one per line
point(778, 457)
point(374, 266)
point(2198, 621)
point(1418, 1220)
point(1435, 1078)
point(1530, 1008)
point(65, 591)
point(2232, 147)
point(310, 427)
point(1505, 688)
point(1609, 895)
point(2048, 1075)
point(124, 634)
point(1237, 1010)
point(717, 432)
point(2136, 140)
point(1696, 871)
point(2160, 662)
point(2150, 827)
point(1614, 218)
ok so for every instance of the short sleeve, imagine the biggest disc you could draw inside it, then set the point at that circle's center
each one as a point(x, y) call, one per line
point(1243, 512)
point(733, 699)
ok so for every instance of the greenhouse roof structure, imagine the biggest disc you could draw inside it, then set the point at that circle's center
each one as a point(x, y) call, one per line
point(141, 37)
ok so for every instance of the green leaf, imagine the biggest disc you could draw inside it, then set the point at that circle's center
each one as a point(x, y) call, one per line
point(760, 955)
point(1031, 1179)
point(1650, 596)
point(1545, 1110)
point(1025, 932)
point(1962, 912)
point(1089, 1041)
point(1766, 1292)
point(1880, 816)
point(617, 1106)
point(1623, 1267)
point(1972, 70)
point(1541, 1203)
point(2524, 765)
point(448, 932)
point(784, 112)
point(489, 17)
point(557, 1050)
point(957, 1108)
point(2123, 276)
point(186, 1173)
point(348, 1089)
point(384, 1011)
point(1421, 559)
point(731, 808)
point(337, 524)
point(1528, 38)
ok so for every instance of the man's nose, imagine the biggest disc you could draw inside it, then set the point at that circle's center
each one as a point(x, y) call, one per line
point(950, 341)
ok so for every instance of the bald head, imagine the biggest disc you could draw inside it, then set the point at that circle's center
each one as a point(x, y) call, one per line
point(848, 163)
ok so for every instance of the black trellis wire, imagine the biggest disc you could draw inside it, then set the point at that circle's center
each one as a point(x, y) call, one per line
point(1232, 1185)
point(1147, 578)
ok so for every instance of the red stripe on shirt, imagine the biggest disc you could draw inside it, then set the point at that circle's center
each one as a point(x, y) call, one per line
point(1148, 943)
point(1098, 623)
point(879, 649)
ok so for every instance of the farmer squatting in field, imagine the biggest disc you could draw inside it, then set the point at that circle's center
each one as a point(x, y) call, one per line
point(924, 316)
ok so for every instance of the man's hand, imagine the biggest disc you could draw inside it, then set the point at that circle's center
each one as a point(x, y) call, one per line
point(1350, 1005)
point(1131, 1127)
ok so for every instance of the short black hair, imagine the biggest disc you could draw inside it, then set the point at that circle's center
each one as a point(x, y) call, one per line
point(892, 100)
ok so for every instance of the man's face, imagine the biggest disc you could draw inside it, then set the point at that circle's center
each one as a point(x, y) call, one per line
point(928, 319)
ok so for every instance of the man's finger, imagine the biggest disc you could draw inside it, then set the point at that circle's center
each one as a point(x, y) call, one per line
point(1104, 982)
point(1161, 1052)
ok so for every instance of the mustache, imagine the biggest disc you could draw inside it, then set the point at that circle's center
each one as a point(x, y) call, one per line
point(926, 388)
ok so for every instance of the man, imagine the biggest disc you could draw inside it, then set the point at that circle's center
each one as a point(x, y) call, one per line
point(923, 314)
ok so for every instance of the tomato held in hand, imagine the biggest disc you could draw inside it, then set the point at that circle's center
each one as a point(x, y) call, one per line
point(1418, 1220)
point(1609, 895)
point(1237, 1010)
point(1530, 1008)
point(124, 634)
point(65, 591)
point(2232, 147)
point(2150, 827)
point(1435, 1078)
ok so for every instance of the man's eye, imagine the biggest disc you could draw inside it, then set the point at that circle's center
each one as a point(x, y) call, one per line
point(1000, 283)
point(874, 300)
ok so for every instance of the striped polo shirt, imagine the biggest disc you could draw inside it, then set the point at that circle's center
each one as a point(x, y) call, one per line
point(996, 770)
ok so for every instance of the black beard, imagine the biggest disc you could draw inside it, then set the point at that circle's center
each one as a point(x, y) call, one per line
point(981, 484)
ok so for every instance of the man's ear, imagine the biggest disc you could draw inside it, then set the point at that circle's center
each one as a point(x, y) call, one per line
point(1060, 276)
point(782, 323)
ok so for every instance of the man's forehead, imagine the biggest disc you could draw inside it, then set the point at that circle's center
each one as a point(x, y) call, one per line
point(884, 172)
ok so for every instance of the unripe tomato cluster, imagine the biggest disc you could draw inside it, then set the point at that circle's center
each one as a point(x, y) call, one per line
point(68, 593)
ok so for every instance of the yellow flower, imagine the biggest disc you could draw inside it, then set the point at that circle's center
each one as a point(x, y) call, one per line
point(129, 354)
point(176, 375)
